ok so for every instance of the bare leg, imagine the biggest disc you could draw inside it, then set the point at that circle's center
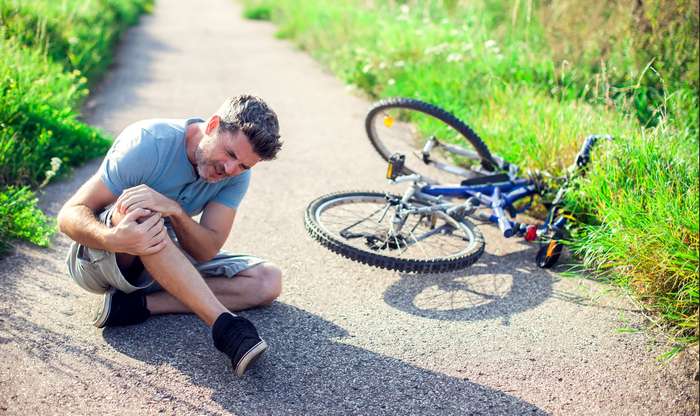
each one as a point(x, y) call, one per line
point(174, 272)
point(257, 286)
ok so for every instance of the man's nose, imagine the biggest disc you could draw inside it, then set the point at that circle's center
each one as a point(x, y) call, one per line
point(231, 167)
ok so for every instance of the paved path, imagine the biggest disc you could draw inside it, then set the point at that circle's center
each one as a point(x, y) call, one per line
point(499, 338)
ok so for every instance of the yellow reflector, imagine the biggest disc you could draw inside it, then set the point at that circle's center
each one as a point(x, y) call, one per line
point(388, 121)
point(550, 248)
point(389, 171)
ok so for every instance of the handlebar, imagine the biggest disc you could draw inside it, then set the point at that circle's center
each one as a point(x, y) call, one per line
point(584, 155)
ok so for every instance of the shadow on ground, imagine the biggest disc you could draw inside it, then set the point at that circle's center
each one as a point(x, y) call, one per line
point(489, 289)
point(497, 286)
point(307, 371)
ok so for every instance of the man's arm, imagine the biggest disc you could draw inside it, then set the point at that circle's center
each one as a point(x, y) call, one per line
point(201, 240)
point(131, 235)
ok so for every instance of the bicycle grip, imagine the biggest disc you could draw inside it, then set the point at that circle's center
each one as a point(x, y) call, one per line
point(584, 155)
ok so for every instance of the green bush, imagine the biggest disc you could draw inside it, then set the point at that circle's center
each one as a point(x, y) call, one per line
point(37, 120)
point(77, 34)
point(50, 51)
point(534, 78)
point(21, 219)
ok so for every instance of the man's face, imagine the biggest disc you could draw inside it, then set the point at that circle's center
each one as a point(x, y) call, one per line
point(222, 154)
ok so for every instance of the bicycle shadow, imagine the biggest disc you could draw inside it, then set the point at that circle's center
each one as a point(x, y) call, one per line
point(491, 288)
point(310, 369)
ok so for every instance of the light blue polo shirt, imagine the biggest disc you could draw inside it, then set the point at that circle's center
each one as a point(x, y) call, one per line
point(153, 152)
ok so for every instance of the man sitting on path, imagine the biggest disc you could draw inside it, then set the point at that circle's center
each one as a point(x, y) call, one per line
point(134, 237)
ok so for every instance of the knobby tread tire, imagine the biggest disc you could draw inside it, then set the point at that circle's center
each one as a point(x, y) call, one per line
point(487, 161)
point(438, 265)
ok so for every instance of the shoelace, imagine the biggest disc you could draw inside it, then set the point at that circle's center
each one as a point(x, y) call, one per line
point(230, 334)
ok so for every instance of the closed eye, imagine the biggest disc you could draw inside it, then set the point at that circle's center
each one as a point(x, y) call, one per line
point(233, 155)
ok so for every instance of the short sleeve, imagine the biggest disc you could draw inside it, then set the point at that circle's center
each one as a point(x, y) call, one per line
point(232, 194)
point(130, 161)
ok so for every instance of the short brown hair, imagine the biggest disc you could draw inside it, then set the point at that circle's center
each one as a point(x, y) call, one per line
point(256, 120)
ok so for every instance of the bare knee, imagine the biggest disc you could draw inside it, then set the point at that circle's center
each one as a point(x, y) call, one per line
point(269, 277)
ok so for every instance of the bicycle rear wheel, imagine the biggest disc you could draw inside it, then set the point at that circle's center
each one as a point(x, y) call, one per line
point(403, 125)
point(358, 225)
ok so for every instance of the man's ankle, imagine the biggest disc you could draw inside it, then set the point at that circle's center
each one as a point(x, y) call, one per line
point(221, 324)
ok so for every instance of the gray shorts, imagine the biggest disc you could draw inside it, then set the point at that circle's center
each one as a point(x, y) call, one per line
point(96, 270)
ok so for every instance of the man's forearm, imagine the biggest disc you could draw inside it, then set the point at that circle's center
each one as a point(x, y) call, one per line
point(197, 240)
point(80, 224)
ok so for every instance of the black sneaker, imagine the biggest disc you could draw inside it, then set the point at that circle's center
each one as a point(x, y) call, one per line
point(236, 337)
point(119, 309)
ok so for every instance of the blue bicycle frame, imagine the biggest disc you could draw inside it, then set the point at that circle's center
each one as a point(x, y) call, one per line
point(499, 193)
point(497, 196)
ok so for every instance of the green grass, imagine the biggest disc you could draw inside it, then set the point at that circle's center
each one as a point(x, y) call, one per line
point(51, 51)
point(38, 117)
point(21, 219)
point(76, 34)
point(258, 13)
point(533, 90)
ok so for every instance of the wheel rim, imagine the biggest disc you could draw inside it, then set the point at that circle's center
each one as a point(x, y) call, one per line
point(364, 223)
point(405, 131)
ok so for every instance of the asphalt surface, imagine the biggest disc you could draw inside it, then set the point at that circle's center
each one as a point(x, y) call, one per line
point(501, 337)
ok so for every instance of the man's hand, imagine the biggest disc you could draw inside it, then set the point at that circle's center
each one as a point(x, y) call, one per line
point(143, 197)
point(140, 233)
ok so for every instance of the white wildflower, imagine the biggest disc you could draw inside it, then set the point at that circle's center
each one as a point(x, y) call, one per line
point(366, 68)
point(490, 43)
point(399, 64)
point(391, 81)
point(49, 174)
point(405, 9)
point(454, 57)
point(55, 164)
point(437, 49)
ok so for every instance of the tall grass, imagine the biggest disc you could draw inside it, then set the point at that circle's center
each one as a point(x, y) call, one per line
point(50, 51)
point(76, 34)
point(38, 116)
point(512, 72)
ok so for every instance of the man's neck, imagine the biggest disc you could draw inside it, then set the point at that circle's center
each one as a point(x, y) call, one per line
point(193, 135)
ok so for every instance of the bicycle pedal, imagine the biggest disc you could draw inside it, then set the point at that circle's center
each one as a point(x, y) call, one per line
point(396, 163)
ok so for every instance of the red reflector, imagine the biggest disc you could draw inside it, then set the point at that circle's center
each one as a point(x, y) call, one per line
point(531, 233)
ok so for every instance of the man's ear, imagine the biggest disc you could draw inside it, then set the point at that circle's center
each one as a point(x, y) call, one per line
point(212, 124)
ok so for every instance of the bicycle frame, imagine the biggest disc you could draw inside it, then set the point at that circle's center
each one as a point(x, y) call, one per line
point(498, 196)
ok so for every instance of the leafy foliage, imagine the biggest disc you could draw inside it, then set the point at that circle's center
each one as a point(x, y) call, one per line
point(51, 50)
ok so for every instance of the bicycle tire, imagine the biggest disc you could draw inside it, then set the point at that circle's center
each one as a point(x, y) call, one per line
point(335, 243)
point(487, 161)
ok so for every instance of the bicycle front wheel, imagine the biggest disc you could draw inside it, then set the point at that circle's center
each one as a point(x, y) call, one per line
point(362, 226)
point(403, 125)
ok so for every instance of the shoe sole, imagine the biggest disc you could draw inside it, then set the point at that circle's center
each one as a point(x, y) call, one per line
point(103, 313)
point(250, 357)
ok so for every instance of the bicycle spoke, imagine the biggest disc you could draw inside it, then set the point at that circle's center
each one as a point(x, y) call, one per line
point(368, 225)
